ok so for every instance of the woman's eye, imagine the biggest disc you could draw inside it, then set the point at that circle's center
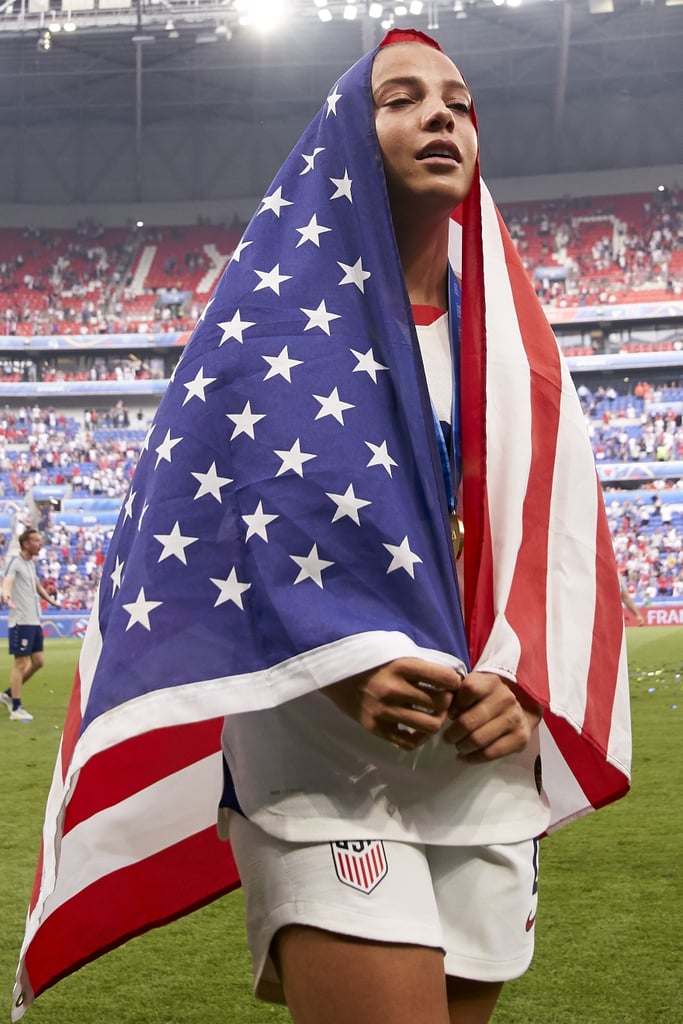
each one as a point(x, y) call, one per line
point(461, 106)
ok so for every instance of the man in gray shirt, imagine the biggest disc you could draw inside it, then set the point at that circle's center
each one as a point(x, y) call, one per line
point(21, 591)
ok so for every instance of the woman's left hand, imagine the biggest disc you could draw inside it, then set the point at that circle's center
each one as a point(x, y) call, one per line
point(491, 718)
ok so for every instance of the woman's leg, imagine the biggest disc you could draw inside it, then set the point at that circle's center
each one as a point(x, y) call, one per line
point(471, 1002)
point(337, 979)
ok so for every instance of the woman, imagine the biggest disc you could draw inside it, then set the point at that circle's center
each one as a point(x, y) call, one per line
point(285, 561)
point(458, 857)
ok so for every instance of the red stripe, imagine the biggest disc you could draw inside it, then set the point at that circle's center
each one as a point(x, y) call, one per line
point(121, 771)
point(72, 724)
point(35, 892)
point(128, 902)
point(477, 554)
point(605, 655)
point(600, 781)
point(531, 571)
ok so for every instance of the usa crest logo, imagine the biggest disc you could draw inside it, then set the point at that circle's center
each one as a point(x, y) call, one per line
point(361, 863)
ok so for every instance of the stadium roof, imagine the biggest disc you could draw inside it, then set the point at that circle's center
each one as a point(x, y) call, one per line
point(125, 105)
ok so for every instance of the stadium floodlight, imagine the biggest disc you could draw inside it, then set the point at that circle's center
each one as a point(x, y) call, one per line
point(53, 24)
point(69, 24)
point(400, 10)
point(375, 10)
point(350, 12)
point(263, 14)
point(416, 7)
point(324, 14)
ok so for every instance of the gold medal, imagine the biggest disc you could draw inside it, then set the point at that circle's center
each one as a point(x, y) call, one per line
point(457, 534)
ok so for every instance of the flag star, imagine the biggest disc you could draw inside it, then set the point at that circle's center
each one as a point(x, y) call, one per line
point(274, 202)
point(354, 274)
point(380, 456)
point(139, 610)
point(402, 557)
point(310, 160)
point(332, 406)
point(244, 421)
point(166, 447)
point(257, 522)
point(311, 566)
point(211, 483)
point(293, 459)
point(311, 232)
point(230, 590)
point(142, 515)
point(367, 364)
point(233, 328)
point(174, 543)
point(241, 246)
point(128, 505)
point(116, 576)
point(347, 505)
point(281, 365)
point(271, 279)
point(343, 186)
point(197, 386)
point(203, 313)
point(319, 317)
point(332, 101)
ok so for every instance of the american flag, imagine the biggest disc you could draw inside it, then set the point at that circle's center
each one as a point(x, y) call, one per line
point(287, 526)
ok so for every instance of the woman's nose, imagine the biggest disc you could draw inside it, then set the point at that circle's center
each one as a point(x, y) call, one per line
point(438, 115)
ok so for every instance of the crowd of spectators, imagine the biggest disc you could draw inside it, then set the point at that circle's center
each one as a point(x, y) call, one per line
point(83, 281)
point(92, 280)
point(607, 250)
point(94, 455)
point(646, 427)
point(647, 535)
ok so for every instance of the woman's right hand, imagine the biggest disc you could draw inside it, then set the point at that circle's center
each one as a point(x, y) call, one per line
point(403, 702)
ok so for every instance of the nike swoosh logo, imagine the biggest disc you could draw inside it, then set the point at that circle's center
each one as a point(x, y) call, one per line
point(530, 922)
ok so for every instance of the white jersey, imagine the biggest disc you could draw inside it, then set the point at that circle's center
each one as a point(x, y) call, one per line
point(304, 771)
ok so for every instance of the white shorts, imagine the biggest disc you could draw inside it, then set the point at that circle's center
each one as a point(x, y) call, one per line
point(475, 903)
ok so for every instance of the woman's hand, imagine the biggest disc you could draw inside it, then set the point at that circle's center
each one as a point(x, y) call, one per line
point(491, 718)
point(403, 702)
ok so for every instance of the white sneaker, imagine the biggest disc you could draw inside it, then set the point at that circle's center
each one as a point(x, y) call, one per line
point(6, 700)
point(20, 714)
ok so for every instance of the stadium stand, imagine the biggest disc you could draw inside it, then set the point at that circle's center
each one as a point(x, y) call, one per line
point(66, 461)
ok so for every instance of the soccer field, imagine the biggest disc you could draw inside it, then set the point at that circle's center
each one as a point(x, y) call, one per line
point(608, 931)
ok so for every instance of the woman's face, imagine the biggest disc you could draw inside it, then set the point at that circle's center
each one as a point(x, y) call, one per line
point(424, 126)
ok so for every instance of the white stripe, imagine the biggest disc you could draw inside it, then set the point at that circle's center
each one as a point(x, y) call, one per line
point(619, 745)
point(90, 653)
point(571, 596)
point(251, 691)
point(508, 437)
point(567, 798)
point(60, 789)
point(455, 247)
point(170, 810)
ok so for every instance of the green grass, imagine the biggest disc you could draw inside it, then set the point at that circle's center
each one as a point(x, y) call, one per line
point(608, 931)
